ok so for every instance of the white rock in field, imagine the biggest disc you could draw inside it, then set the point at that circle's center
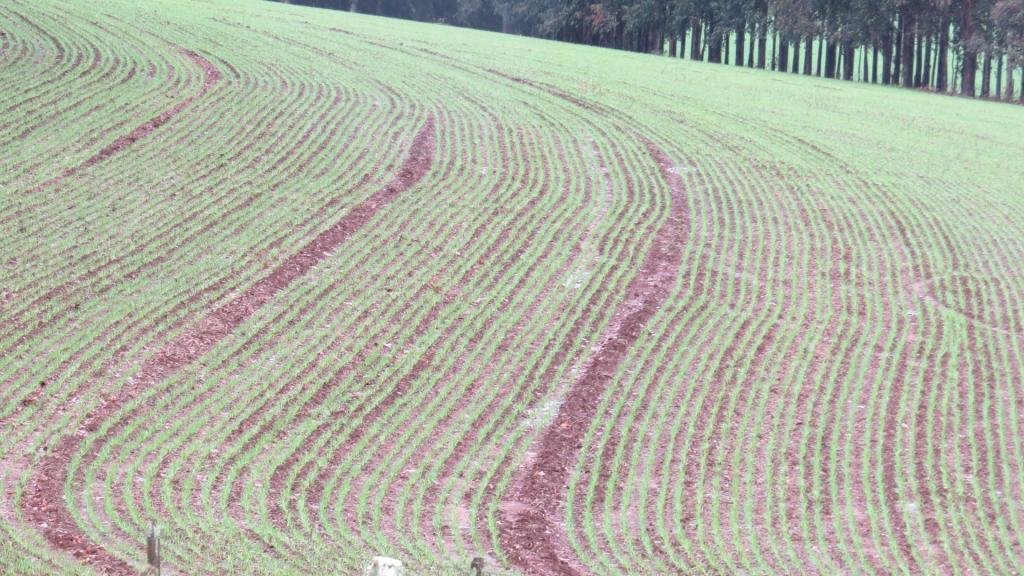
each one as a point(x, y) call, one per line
point(384, 566)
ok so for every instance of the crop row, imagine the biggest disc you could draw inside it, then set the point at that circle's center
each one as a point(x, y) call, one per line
point(305, 290)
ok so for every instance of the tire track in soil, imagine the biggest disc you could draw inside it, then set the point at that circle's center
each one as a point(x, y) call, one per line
point(45, 508)
point(261, 347)
point(542, 374)
point(623, 121)
point(67, 290)
point(423, 365)
point(252, 419)
point(165, 461)
point(266, 427)
point(51, 103)
point(524, 237)
point(170, 237)
point(530, 531)
point(496, 407)
point(278, 513)
point(432, 495)
point(211, 76)
point(625, 527)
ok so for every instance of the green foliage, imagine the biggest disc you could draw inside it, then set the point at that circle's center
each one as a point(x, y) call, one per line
point(833, 384)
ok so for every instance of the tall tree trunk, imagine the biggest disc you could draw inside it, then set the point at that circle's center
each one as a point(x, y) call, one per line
point(821, 55)
point(958, 75)
point(907, 75)
point(887, 57)
point(969, 65)
point(697, 40)
point(682, 42)
point(830, 60)
point(672, 46)
point(926, 75)
point(783, 56)
point(741, 38)
point(865, 74)
point(840, 61)
point(943, 62)
point(762, 47)
point(750, 49)
point(986, 75)
point(725, 48)
point(1022, 84)
point(874, 65)
point(897, 60)
point(919, 66)
point(762, 34)
point(1009, 85)
point(848, 62)
point(999, 76)
point(808, 54)
point(714, 48)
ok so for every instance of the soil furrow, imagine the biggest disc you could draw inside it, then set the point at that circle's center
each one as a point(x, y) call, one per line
point(45, 507)
point(211, 76)
point(531, 530)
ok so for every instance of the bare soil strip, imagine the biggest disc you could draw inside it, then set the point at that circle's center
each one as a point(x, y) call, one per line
point(211, 76)
point(45, 507)
point(530, 513)
point(498, 405)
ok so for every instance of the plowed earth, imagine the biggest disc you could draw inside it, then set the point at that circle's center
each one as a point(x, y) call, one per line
point(304, 287)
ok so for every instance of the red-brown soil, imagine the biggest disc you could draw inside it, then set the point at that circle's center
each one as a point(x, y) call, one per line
point(531, 528)
point(45, 507)
point(211, 76)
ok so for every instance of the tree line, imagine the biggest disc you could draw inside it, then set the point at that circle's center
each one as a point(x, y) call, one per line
point(970, 47)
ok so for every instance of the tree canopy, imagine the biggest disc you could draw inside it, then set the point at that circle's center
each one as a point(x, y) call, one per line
point(935, 44)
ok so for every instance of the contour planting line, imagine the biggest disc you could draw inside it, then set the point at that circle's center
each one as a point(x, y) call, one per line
point(45, 507)
point(211, 76)
point(529, 525)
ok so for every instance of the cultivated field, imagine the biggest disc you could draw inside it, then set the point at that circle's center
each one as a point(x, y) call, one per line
point(305, 286)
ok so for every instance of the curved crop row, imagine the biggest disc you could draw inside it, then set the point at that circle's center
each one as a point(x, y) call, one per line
point(306, 287)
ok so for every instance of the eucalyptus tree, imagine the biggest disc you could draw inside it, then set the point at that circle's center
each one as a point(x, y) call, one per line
point(1008, 15)
point(933, 44)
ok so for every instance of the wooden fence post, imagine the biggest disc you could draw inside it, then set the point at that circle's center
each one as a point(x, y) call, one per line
point(153, 549)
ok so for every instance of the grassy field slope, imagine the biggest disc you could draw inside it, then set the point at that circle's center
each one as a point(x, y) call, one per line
point(304, 287)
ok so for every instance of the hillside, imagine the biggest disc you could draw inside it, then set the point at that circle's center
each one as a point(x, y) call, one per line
point(305, 286)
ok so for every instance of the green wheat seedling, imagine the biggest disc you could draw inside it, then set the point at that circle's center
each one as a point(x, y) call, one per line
point(829, 379)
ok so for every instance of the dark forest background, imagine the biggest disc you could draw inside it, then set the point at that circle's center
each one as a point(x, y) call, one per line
point(970, 47)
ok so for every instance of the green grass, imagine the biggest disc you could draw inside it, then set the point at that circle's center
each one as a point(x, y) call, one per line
point(833, 385)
